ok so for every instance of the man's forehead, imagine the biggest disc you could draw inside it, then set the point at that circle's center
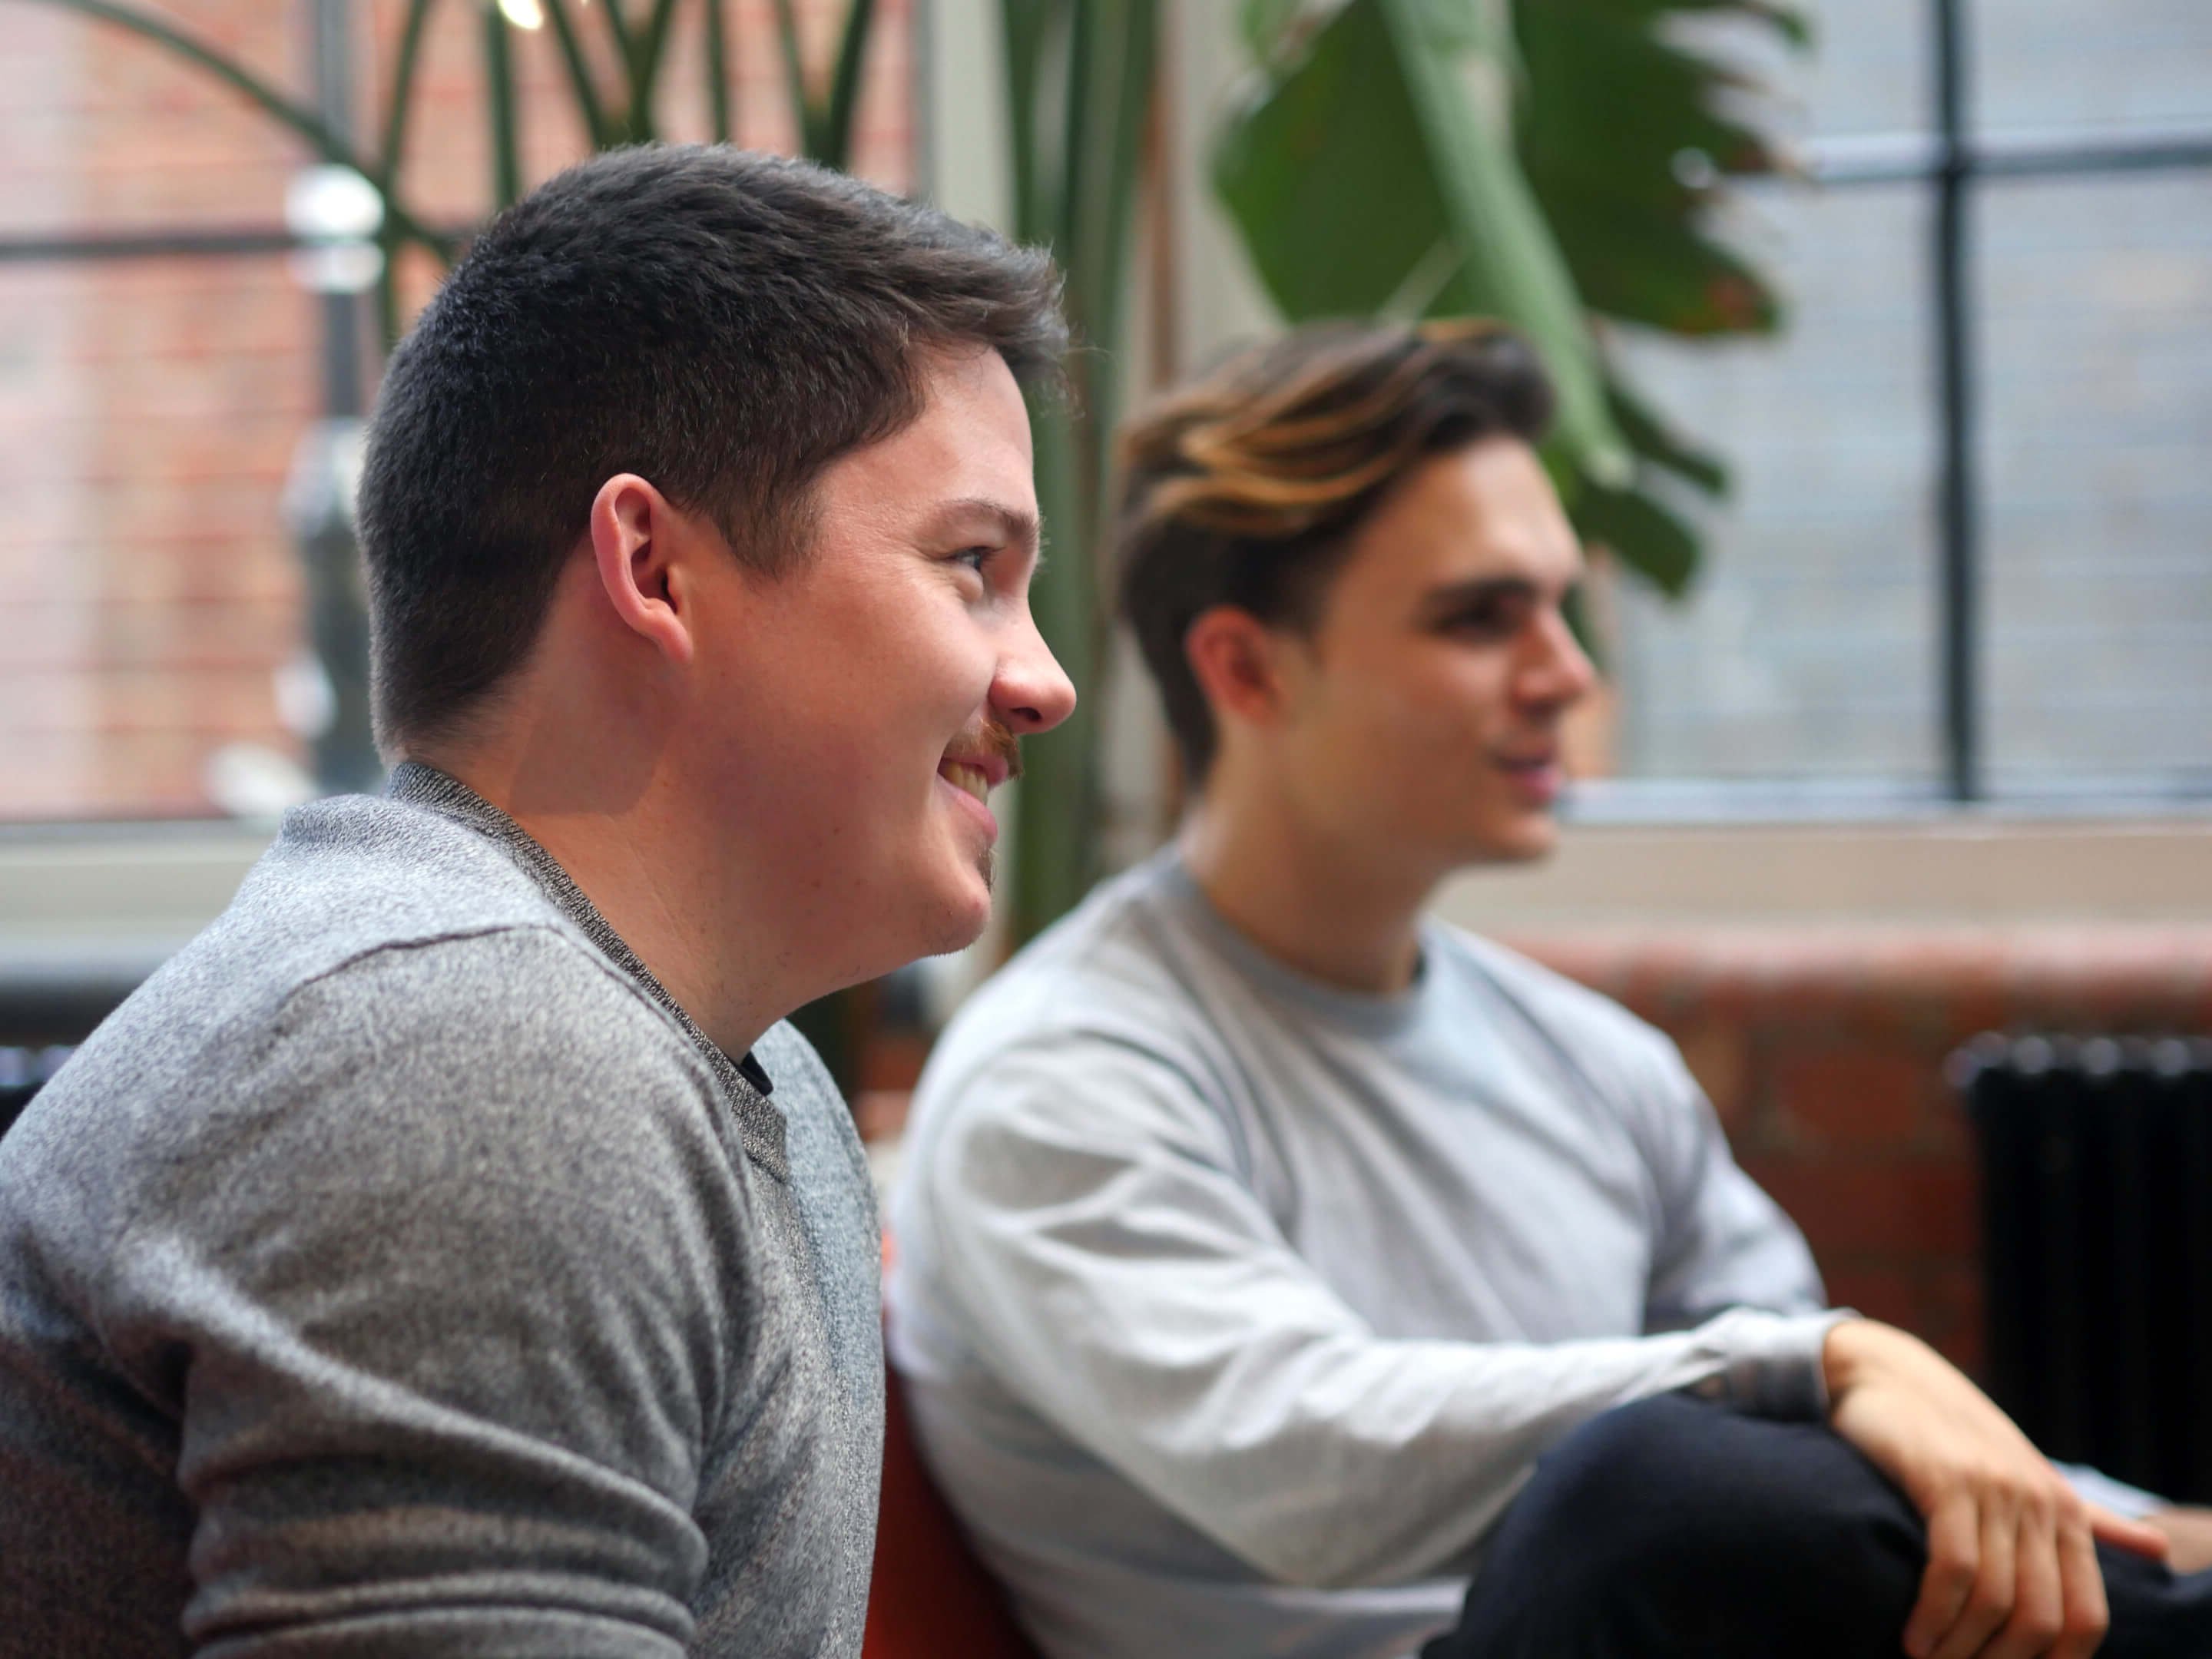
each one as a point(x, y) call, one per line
point(966, 452)
point(1482, 514)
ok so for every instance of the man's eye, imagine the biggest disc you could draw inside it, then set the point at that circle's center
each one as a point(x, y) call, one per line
point(974, 557)
point(1490, 620)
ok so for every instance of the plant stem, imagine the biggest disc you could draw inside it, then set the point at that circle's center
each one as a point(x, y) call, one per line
point(580, 83)
point(402, 102)
point(651, 51)
point(499, 88)
point(1023, 30)
point(794, 80)
point(845, 85)
point(718, 71)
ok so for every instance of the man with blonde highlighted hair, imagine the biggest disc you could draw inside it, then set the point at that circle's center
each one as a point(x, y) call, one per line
point(1281, 1272)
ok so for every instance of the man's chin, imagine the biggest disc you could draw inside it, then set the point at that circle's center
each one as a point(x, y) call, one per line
point(1522, 842)
point(964, 911)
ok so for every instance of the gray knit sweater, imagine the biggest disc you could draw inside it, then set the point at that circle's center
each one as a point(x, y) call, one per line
point(400, 1272)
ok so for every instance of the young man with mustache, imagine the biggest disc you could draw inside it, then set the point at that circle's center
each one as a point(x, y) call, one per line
point(1273, 1261)
point(450, 1253)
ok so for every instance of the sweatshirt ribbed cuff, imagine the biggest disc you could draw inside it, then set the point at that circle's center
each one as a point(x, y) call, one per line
point(1774, 1367)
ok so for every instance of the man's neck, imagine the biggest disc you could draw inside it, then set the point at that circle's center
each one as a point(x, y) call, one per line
point(1339, 915)
point(626, 858)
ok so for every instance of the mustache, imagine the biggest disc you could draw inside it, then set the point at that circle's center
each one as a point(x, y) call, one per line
point(997, 740)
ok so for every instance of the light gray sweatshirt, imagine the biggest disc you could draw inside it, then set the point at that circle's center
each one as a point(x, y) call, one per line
point(1234, 1310)
point(400, 1272)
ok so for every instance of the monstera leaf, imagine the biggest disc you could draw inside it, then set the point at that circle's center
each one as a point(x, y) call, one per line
point(1552, 162)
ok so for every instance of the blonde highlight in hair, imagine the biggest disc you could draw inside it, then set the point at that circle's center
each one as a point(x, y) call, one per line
point(1243, 457)
point(1244, 488)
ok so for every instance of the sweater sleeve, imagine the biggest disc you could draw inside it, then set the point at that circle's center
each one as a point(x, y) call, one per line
point(1723, 1243)
point(1114, 1270)
point(444, 1301)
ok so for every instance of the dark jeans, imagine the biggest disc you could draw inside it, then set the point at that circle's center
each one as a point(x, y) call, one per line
point(1674, 1527)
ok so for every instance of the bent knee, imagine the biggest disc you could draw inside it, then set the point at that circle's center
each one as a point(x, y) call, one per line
point(1674, 1479)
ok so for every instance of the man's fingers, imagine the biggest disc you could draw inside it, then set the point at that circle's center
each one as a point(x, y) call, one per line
point(2039, 1598)
point(1969, 1561)
point(2140, 1536)
point(1954, 1555)
point(2087, 1614)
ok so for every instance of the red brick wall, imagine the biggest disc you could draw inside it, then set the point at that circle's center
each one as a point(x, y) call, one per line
point(1824, 1053)
point(148, 409)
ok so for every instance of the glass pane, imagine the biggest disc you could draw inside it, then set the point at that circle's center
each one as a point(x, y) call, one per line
point(148, 593)
point(1806, 648)
point(105, 130)
point(1866, 72)
point(2067, 62)
point(2096, 298)
point(102, 130)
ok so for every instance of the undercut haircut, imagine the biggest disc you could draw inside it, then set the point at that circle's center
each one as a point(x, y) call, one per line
point(1246, 487)
point(723, 323)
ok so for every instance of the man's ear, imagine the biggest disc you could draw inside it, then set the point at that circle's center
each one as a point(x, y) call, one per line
point(1236, 658)
point(636, 542)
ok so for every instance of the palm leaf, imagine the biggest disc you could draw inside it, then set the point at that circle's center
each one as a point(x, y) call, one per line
point(1384, 140)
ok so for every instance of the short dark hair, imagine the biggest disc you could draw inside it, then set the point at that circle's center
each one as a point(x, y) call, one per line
point(721, 323)
point(1244, 489)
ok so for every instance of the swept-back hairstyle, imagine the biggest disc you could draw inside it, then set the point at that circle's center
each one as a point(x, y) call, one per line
point(1245, 488)
point(723, 323)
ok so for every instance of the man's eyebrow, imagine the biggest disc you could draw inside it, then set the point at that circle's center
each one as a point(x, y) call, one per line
point(1481, 590)
point(1015, 526)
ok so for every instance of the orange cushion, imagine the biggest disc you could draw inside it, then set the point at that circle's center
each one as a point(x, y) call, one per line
point(929, 1598)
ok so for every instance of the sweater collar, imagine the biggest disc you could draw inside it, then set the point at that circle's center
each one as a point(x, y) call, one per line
point(747, 1083)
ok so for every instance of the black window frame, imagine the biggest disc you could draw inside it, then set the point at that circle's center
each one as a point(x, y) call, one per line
point(1952, 160)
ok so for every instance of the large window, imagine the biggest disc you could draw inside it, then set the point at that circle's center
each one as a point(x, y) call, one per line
point(1970, 553)
point(163, 366)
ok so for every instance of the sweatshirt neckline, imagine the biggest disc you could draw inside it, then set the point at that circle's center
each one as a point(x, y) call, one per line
point(744, 1080)
point(1378, 1016)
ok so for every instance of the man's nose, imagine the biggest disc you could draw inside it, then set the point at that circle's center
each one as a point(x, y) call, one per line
point(1559, 670)
point(1032, 693)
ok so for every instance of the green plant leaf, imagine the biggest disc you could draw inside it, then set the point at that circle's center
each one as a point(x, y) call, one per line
point(1388, 140)
point(1643, 535)
point(1655, 441)
point(1624, 138)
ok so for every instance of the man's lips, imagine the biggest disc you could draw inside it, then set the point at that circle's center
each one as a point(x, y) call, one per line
point(1536, 773)
point(979, 764)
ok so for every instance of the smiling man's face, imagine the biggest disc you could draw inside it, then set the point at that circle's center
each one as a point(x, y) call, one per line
point(896, 665)
point(1426, 702)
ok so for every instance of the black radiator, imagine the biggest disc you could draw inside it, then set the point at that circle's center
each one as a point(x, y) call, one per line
point(2096, 1163)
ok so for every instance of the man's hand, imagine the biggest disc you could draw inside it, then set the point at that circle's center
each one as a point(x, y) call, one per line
point(2188, 1533)
point(2012, 1562)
